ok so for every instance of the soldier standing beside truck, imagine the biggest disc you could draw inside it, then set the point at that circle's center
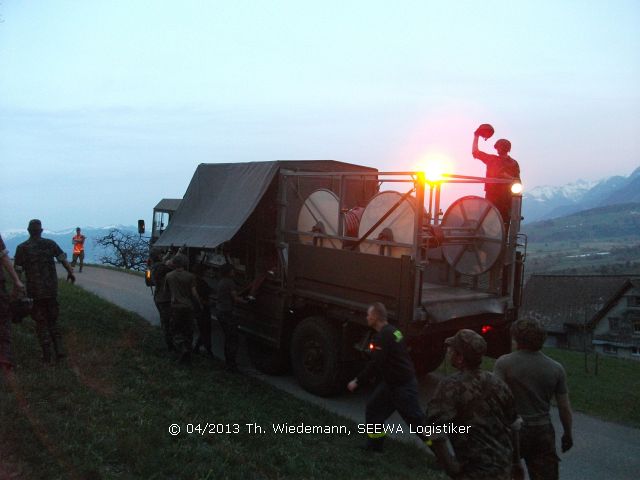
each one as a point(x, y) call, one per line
point(162, 295)
point(398, 389)
point(479, 400)
point(182, 287)
point(534, 379)
point(227, 297)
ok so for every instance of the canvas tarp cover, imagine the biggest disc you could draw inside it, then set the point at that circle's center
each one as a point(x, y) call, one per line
point(218, 201)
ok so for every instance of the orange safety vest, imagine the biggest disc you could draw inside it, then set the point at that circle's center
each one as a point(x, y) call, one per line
point(78, 244)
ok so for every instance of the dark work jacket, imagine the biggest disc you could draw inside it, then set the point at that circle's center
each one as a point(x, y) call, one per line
point(389, 357)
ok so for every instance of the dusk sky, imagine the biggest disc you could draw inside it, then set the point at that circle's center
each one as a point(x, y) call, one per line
point(108, 106)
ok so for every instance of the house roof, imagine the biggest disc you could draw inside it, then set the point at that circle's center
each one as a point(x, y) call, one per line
point(559, 300)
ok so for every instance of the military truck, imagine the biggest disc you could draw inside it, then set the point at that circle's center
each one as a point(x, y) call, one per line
point(314, 243)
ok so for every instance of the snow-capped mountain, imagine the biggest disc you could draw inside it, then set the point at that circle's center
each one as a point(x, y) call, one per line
point(545, 202)
point(15, 236)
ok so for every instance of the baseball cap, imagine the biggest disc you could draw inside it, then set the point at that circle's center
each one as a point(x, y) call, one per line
point(469, 343)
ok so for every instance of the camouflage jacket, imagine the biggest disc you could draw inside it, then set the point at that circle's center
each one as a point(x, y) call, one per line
point(36, 258)
point(482, 402)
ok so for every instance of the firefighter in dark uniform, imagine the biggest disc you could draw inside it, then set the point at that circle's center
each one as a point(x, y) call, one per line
point(398, 389)
point(35, 258)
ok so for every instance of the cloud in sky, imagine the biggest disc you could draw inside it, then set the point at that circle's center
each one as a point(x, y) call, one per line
point(105, 107)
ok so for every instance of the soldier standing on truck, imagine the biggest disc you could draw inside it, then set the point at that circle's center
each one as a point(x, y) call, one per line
point(227, 296)
point(498, 166)
point(398, 389)
point(534, 379)
point(182, 286)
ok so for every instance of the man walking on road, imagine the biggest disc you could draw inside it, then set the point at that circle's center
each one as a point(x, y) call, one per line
point(36, 258)
point(534, 379)
point(398, 389)
point(78, 248)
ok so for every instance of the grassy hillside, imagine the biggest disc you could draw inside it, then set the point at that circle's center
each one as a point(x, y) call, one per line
point(106, 413)
point(620, 222)
point(599, 241)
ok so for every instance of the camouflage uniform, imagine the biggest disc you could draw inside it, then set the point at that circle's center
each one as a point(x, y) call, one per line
point(35, 257)
point(479, 400)
point(162, 299)
point(6, 356)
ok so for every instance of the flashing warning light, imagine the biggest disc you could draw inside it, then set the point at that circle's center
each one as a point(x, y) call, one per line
point(433, 169)
point(486, 329)
point(516, 188)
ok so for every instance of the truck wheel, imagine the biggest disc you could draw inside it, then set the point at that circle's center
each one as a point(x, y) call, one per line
point(266, 359)
point(315, 356)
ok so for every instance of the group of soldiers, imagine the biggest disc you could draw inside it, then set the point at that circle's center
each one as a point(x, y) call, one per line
point(182, 296)
point(491, 420)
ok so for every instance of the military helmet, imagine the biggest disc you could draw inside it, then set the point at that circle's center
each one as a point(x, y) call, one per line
point(485, 131)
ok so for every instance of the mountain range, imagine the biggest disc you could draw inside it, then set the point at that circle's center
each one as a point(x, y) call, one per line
point(545, 202)
point(92, 252)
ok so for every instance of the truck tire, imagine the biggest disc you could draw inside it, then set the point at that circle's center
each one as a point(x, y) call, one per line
point(267, 359)
point(315, 356)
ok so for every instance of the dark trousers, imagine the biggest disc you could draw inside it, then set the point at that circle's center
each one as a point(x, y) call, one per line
point(182, 323)
point(164, 309)
point(45, 314)
point(75, 258)
point(231, 337)
point(204, 328)
point(6, 356)
point(388, 398)
point(538, 449)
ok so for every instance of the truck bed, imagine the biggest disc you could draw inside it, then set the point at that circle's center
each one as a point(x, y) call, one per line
point(444, 302)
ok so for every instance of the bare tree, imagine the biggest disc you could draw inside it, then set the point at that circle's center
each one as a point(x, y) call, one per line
point(125, 250)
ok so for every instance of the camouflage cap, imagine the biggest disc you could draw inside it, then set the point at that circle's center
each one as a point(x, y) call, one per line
point(469, 343)
point(35, 226)
point(34, 223)
point(528, 333)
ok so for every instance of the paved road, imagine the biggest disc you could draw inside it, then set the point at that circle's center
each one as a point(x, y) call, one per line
point(602, 450)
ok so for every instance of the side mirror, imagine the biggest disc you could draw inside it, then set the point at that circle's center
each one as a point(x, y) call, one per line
point(141, 227)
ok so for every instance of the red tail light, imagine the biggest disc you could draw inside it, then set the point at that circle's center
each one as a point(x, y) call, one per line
point(486, 329)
